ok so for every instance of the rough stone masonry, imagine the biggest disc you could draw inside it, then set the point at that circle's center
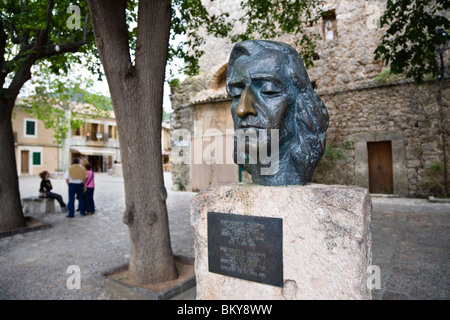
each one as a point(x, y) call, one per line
point(326, 240)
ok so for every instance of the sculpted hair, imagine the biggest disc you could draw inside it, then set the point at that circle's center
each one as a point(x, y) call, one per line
point(311, 116)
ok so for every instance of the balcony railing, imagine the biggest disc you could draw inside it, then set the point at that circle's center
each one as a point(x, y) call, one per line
point(98, 136)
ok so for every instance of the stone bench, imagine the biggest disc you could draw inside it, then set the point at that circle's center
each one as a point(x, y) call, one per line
point(38, 205)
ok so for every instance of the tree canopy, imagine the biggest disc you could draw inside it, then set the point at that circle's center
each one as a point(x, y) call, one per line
point(53, 96)
point(409, 43)
point(262, 19)
point(36, 31)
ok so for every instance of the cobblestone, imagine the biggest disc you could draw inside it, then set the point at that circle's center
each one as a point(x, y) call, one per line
point(411, 245)
point(33, 265)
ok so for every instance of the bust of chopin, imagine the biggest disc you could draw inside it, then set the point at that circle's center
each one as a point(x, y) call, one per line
point(279, 121)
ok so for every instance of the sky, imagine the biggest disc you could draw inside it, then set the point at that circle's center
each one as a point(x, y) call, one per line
point(99, 87)
point(102, 87)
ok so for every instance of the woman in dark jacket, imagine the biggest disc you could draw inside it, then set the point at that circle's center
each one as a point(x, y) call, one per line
point(46, 187)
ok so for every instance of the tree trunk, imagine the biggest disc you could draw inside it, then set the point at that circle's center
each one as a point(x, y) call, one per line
point(11, 215)
point(137, 94)
point(443, 130)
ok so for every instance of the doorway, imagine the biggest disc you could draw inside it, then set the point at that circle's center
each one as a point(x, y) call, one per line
point(96, 163)
point(380, 167)
point(24, 162)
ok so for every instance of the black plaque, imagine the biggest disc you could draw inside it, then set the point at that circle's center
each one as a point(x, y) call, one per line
point(246, 247)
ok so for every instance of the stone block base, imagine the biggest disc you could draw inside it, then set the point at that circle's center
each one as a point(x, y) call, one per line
point(38, 205)
point(326, 240)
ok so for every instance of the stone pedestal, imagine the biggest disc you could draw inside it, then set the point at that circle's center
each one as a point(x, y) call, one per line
point(326, 240)
point(38, 205)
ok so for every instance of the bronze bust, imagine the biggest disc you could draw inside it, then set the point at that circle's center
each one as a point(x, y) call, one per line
point(279, 121)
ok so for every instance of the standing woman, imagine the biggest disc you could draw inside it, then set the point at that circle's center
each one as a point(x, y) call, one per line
point(89, 195)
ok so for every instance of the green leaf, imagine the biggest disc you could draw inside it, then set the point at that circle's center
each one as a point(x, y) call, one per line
point(409, 43)
point(262, 19)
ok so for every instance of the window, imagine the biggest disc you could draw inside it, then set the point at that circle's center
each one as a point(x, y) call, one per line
point(329, 25)
point(77, 132)
point(112, 132)
point(37, 158)
point(95, 132)
point(30, 128)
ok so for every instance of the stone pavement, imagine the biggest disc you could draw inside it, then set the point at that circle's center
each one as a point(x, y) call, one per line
point(411, 245)
point(33, 265)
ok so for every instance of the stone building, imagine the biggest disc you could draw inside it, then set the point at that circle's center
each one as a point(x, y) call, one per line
point(165, 144)
point(95, 141)
point(34, 145)
point(383, 132)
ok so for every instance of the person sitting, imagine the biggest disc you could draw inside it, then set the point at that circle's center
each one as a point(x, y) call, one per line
point(45, 190)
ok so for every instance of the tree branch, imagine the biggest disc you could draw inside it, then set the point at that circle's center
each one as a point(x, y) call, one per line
point(22, 75)
point(50, 50)
point(12, 32)
point(3, 39)
point(86, 26)
point(43, 34)
point(111, 33)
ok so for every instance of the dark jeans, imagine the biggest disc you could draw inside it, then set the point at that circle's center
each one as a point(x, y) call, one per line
point(89, 200)
point(75, 189)
point(57, 197)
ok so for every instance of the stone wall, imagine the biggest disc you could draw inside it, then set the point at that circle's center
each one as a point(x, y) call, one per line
point(180, 119)
point(362, 109)
point(344, 62)
point(406, 114)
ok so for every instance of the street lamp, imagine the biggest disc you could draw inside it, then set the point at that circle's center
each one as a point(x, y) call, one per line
point(441, 47)
point(443, 42)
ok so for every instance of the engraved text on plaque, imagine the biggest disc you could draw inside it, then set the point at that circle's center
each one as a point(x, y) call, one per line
point(246, 247)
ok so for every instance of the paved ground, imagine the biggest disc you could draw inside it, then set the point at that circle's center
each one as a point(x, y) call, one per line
point(411, 245)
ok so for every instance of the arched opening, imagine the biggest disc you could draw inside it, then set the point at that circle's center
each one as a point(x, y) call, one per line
point(219, 78)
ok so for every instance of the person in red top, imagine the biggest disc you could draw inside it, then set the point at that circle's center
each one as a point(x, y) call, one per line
point(89, 194)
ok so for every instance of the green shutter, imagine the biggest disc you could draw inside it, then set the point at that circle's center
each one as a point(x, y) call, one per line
point(36, 158)
point(30, 130)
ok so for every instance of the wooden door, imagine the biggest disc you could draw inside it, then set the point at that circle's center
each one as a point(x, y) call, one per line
point(24, 162)
point(380, 167)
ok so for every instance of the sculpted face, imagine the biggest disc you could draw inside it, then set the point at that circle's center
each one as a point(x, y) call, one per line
point(262, 93)
point(279, 121)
